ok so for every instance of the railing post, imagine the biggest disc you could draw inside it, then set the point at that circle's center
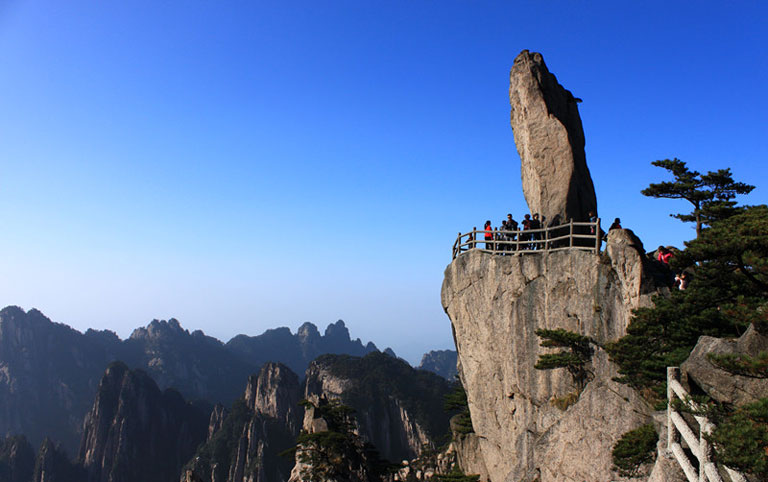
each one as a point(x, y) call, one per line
point(704, 429)
point(458, 247)
point(597, 236)
point(570, 235)
point(673, 373)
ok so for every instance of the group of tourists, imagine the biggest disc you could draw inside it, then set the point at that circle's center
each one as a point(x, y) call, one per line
point(510, 237)
point(682, 278)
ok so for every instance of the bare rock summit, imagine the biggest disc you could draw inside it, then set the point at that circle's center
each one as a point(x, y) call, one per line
point(550, 140)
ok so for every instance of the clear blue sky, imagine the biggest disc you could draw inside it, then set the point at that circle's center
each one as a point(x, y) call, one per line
point(241, 165)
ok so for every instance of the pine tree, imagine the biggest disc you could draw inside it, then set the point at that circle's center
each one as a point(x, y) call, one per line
point(710, 194)
point(575, 359)
point(728, 292)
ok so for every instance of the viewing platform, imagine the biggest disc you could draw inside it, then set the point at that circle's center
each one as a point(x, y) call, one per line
point(585, 236)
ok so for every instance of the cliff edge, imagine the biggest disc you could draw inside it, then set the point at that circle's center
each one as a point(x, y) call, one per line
point(496, 304)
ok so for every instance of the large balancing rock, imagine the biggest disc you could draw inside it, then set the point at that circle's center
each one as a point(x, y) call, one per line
point(550, 140)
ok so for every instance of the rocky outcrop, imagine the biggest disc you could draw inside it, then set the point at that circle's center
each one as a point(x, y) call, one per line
point(442, 362)
point(398, 409)
point(469, 457)
point(496, 303)
point(17, 459)
point(702, 374)
point(246, 445)
point(550, 140)
point(330, 448)
point(136, 432)
point(53, 465)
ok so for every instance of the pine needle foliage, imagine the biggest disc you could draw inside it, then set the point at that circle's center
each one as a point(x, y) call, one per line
point(741, 439)
point(634, 448)
point(710, 194)
point(455, 402)
point(456, 475)
point(728, 293)
point(742, 364)
point(575, 359)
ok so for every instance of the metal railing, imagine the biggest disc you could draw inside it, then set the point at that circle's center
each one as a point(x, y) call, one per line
point(571, 235)
point(697, 445)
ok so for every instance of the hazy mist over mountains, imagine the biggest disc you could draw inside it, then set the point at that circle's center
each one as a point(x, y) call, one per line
point(50, 372)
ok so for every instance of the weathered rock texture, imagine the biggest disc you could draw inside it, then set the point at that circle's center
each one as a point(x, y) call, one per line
point(550, 141)
point(701, 373)
point(136, 432)
point(496, 303)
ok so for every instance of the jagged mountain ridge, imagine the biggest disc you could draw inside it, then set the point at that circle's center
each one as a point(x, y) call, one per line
point(49, 372)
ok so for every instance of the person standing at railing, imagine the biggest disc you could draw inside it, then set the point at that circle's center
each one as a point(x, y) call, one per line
point(506, 236)
point(536, 224)
point(526, 227)
point(554, 233)
point(512, 227)
point(488, 236)
point(592, 219)
point(471, 238)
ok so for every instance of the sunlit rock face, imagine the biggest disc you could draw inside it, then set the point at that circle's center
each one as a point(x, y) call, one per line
point(496, 303)
point(550, 140)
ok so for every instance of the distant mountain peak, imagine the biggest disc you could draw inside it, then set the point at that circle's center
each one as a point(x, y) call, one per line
point(338, 331)
point(160, 329)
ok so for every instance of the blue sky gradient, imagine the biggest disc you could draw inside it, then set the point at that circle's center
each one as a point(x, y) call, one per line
point(245, 165)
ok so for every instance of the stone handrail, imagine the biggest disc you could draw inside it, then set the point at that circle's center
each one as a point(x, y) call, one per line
point(677, 427)
point(571, 235)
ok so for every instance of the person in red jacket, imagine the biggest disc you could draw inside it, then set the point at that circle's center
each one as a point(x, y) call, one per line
point(663, 255)
point(488, 236)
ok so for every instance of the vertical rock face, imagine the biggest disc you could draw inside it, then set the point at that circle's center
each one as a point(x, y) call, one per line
point(244, 445)
point(136, 432)
point(275, 393)
point(550, 140)
point(496, 303)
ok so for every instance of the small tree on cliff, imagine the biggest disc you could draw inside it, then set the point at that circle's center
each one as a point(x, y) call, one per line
point(729, 291)
point(575, 359)
point(711, 194)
